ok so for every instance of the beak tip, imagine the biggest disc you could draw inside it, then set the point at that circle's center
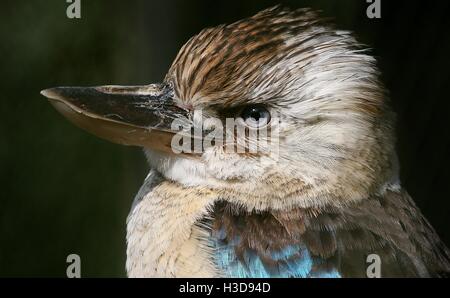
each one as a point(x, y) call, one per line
point(54, 93)
point(49, 93)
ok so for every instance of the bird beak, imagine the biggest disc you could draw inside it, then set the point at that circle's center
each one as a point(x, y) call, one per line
point(135, 115)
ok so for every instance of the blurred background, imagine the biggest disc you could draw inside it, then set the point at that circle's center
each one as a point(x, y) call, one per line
point(64, 191)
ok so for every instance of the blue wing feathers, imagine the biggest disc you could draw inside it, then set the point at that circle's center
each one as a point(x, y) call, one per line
point(292, 261)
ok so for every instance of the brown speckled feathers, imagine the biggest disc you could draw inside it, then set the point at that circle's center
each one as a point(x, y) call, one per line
point(390, 226)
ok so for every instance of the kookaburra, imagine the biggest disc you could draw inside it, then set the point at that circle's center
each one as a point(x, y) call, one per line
point(326, 202)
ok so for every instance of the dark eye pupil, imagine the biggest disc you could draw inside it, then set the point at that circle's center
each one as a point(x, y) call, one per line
point(256, 115)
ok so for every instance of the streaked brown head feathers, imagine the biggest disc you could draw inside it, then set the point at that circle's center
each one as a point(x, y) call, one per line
point(256, 59)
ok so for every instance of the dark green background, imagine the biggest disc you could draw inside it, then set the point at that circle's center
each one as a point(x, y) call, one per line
point(63, 191)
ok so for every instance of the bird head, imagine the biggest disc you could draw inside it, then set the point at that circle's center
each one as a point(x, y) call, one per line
point(309, 93)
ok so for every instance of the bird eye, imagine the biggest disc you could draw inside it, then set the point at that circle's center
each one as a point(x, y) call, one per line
point(255, 116)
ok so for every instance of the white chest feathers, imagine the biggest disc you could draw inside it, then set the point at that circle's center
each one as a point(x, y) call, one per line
point(162, 238)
